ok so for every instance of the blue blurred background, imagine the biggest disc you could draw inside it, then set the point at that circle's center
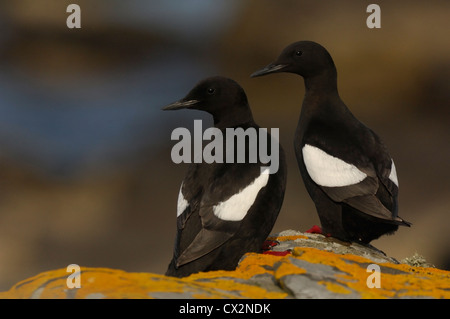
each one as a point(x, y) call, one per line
point(85, 169)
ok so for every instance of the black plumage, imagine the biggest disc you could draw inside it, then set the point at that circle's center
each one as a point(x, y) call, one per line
point(345, 166)
point(209, 236)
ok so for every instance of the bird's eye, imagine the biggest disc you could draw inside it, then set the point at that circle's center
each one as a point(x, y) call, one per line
point(298, 53)
point(211, 91)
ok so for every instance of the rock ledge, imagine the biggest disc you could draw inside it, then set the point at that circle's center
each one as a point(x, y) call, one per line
point(316, 267)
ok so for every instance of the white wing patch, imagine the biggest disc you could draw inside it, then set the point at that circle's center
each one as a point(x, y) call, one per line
point(393, 174)
point(327, 170)
point(182, 202)
point(236, 207)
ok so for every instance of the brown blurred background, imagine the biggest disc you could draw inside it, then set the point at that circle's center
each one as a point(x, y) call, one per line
point(85, 170)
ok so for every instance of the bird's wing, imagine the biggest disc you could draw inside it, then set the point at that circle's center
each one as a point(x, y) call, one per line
point(190, 194)
point(354, 183)
point(221, 209)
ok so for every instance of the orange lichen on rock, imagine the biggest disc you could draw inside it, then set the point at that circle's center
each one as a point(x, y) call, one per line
point(111, 283)
point(307, 273)
point(285, 267)
point(286, 238)
point(251, 264)
point(419, 282)
point(336, 288)
point(397, 280)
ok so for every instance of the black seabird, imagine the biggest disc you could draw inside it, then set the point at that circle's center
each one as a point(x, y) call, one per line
point(224, 209)
point(345, 166)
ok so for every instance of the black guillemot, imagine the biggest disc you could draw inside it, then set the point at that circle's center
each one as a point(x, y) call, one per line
point(224, 209)
point(345, 166)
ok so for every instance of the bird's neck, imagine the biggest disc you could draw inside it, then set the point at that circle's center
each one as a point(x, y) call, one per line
point(321, 99)
point(321, 94)
point(323, 85)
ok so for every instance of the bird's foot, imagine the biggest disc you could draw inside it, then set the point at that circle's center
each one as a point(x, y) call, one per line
point(314, 230)
point(269, 244)
point(317, 230)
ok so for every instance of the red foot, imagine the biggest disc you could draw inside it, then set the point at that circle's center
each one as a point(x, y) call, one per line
point(277, 253)
point(314, 230)
point(268, 244)
point(317, 230)
point(267, 248)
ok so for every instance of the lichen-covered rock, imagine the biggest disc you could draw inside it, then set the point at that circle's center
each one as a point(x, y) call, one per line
point(316, 267)
point(102, 283)
point(417, 261)
point(289, 239)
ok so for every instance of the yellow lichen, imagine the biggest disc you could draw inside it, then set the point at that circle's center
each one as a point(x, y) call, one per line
point(286, 238)
point(252, 264)
point(397, 280)
point(286, 267)
point(339, 289)
point(415, 281)
point(244, 290)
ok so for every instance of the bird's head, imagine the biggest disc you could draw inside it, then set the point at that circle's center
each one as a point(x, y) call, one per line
point(219, 96)
point(212, 94)
point(305, 58)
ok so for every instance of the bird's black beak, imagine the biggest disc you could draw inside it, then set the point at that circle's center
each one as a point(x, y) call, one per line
point(271, 68)
point(182, 104)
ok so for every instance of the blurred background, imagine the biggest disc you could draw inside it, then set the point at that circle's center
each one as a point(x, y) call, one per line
point(85, 170)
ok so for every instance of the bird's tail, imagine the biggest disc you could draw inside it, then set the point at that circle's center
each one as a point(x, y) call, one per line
point(402, 222)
